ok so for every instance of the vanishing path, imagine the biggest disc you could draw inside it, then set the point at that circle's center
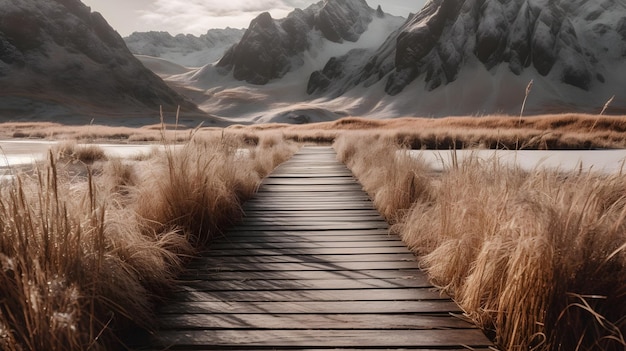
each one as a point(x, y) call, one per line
point(311, 267)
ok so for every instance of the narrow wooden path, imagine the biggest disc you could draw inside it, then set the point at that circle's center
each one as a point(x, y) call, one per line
point(311, 267)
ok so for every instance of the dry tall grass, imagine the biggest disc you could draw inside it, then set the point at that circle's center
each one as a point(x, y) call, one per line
point(556, 131)
point(538, 259)
point(83, 257)
point(396, 186)
point(72, 151)
point(565, 131)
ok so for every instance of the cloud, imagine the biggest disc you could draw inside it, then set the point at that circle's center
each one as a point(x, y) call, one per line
point(197, 16)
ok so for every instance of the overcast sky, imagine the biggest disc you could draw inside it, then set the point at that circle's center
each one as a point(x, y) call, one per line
point(197, 16)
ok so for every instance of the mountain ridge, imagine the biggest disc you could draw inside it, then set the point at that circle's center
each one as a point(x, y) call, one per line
point(437, 41)
point(57, 58)
point(452, 57)
point(184, 49)
point(270, 48)
point(332, 59)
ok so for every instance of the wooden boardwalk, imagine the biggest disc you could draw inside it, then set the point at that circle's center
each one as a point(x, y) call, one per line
point(311, 267)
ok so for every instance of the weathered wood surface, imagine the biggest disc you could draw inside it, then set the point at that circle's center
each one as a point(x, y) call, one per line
point(312, 266)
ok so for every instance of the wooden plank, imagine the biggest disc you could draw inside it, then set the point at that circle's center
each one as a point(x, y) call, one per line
point(313, 226)
point(208, 261)
point(336, 284)
point(309, 221)
point(220, 273)
point(352, 223)
point(407, 294)
point(306, 244)
point(309, 181)
point(312, 321)
point(303, 199)
point(311, 251)
point(305, 233)
point(307, 201)
point(325, 207)
point(316, 266)
point(326, 284)
point(310, 188)
point(322, 240)
point(309, 175)
point(312, 214)
point(300, 307)
point(212, 339)
point(288, 196)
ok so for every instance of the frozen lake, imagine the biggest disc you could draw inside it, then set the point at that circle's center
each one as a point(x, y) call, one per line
point(25, 152)
point(22, 152)
point(608, 161)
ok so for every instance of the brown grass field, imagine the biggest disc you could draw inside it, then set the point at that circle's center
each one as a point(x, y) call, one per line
point(537, 259)
point(89, 244)
point(559, 131)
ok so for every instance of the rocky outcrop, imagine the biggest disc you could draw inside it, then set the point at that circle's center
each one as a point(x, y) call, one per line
point(340, 20)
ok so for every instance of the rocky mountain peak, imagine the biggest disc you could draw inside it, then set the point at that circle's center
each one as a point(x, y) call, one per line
point(270, 48)
point(379, 12)
point(341, 20)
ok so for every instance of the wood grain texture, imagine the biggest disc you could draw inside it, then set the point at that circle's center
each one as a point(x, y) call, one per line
point(311, 266)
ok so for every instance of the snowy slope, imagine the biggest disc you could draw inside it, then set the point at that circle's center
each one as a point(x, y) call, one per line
point(332, 59)
point(454, 57)
point(60, 60)
point(270, 48)
point(264, 77)
point(478, 56)
point(184, 49)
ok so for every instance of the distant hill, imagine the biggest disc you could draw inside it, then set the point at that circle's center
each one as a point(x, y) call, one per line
point(59, 61)
point(184, 49)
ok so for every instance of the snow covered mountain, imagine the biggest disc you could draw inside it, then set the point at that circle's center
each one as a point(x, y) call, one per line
point(185, 49)
point(452, 57)
point(477, 56)
point(60, 60)
point(271, 48)
point(263, 77)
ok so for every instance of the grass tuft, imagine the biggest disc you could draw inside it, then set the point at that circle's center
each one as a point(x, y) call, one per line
point(72, 151)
